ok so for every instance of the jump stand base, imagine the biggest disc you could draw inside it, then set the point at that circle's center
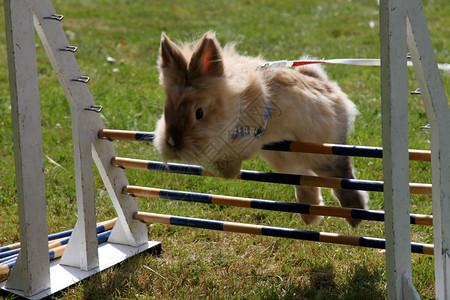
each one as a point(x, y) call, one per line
point(109, 255)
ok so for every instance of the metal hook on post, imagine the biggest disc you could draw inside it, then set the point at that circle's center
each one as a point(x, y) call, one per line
point(55, 17)
point(94, 108)
point(416, 92)
point(69, 48)
point(425, 127)
point(83, 79)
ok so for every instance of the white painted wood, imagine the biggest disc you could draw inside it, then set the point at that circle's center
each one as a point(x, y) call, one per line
point(109, 255)
point(82, 249)
point(31, 273)
point(394, 96)
point(436, 105)
point(85, 126)
point(409, 290)
point(127, 230)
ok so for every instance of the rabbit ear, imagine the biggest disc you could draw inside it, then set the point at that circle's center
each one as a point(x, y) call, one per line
point(171, 59)
point(206, 59)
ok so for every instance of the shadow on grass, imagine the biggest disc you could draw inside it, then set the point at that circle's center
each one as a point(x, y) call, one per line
point(361, 282)
point(358, 282)
point(323, 283)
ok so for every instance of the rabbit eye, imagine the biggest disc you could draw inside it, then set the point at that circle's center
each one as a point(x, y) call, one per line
point(199, 114)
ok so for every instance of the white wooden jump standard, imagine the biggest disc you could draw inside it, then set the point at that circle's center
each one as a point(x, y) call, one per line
point(438, 114)
point(394, 97)
point(31, 276)
point(401, 22)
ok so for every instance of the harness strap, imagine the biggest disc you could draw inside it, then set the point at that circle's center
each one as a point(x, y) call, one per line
point(257, 132)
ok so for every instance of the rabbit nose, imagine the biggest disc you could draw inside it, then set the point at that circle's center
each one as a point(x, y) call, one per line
point(173, 140)
point(170, 141)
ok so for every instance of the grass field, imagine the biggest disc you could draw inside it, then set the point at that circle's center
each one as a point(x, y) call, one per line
point(204, 264)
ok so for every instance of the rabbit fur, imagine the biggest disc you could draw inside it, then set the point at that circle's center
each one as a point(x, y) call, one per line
point(221, 108)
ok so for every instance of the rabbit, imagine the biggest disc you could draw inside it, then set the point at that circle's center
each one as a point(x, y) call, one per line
point(221, 107)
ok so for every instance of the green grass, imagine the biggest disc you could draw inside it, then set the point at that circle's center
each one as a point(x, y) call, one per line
point(198, 263)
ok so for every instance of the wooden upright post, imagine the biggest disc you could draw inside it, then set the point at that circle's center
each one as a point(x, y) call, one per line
point(31, 272)
point(86, 123)
point(33, 275)
point(82, 249)
point(402, 23)
point(438, 113)
point(394, 97)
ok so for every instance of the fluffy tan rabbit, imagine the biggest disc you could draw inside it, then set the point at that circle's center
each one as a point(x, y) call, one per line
point(221, 108)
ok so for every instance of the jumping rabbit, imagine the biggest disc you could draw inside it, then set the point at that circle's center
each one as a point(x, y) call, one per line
point(221, 107)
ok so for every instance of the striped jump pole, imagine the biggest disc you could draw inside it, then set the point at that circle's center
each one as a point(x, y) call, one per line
point(101, 227)
point(52, 253)
point(57, 242)
point(309, 209)
point(51, 245)
point(304, 147)
point(305, 180)
point(345, 150)
point(10, 247)
point(298, 234)
point(126, 135)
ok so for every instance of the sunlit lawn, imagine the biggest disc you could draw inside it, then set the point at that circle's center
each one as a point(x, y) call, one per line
point(197, 263)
